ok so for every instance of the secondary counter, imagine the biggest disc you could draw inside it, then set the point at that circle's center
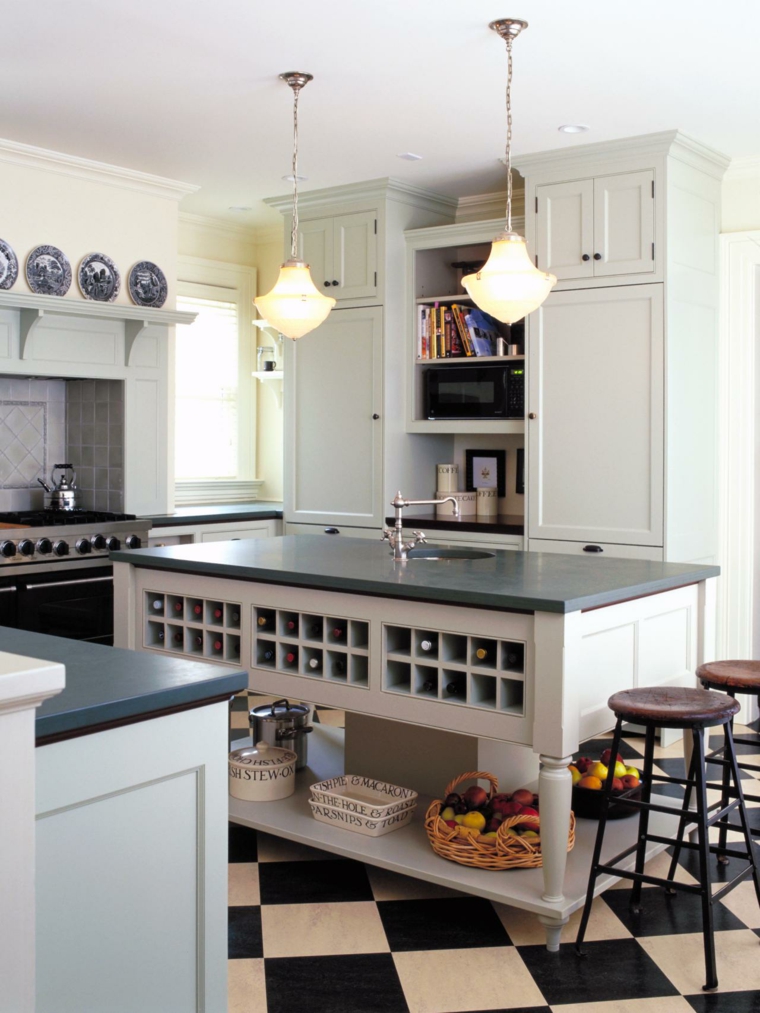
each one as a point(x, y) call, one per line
point(532, 581)
point(218, 514)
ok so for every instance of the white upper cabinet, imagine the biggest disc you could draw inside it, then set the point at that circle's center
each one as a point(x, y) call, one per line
point(342, 254)
point(596, 228)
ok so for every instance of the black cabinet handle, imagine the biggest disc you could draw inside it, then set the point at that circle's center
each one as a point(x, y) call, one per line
point(593, 548)
point(585, 257)
point(326, 284)
point(375, 416)
point(597, 256)
point(336, 283)
point(332, 531)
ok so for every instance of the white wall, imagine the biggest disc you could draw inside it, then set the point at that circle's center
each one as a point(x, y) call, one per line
point(740, 196)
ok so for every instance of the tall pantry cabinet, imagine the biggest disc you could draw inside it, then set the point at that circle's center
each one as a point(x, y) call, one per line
point(621, 415)
point(346, 448)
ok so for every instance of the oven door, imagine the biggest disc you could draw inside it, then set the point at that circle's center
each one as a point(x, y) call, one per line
point(466, 392)
point(77, 604)
point(8, 599)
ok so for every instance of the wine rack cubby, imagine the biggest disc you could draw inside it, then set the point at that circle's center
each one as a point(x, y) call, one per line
point(455, 668)
point(201, 628)
point(332, 648)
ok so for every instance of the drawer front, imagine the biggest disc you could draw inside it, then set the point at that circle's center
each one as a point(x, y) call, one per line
point(332, 529)
point(607, 549)
point(513, 542)
point(238, 534)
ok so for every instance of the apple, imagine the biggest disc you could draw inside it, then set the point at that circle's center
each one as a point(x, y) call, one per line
point(458, 818)
point(492, 826)
point(617, 784)
point(620, 769)
point(630, 781)
point(451, 823)
point(583, 763)
point(452, 799)
point(598, 770)
point(501, 807)
point(475, 797)
point(513, 809)
point(528, 810)
point(632, 771)
point(502, 796)
point(607, 756)
point(523, 796)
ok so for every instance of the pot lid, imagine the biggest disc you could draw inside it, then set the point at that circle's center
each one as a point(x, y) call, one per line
point(278, 710)
point(262, 755)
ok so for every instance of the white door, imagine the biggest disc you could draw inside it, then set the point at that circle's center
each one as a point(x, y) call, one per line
point(333, 445)
point(595, 376)
point(565, 228)
point(624, 224)
point(315, 246)
point(355, 256)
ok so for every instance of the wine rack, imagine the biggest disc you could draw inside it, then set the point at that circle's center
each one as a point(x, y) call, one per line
point(333, 648)
point(201, 628)
point(455, 668)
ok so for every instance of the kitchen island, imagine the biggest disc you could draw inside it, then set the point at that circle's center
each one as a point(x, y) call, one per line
point(520, 648)
point(131, 812)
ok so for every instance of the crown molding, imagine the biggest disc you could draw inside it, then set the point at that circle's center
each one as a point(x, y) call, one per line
point(482, 206)
point(388, 188)
point(14, 153)
point(256, 235)
point(744, 167)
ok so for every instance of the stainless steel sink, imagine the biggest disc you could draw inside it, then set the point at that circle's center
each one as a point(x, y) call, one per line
point(434, 553)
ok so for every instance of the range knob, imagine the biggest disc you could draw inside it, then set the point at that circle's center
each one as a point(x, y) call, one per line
point(26, 547)
point(113, 543)
point(83, 546)
point(61, 548)
point(44, 545)
point(98, 543)
point(7, 549)
point(133, 541)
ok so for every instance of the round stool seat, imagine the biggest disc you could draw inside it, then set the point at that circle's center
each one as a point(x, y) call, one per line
point(673, 707)
point(741, 675)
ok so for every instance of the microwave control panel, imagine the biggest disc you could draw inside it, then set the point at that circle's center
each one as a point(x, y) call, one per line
point(516, 392)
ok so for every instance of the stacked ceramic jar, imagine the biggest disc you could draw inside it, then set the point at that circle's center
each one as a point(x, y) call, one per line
point(481, 501)
point(362, 804)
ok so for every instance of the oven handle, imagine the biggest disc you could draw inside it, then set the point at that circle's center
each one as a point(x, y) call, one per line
point(4, 590)
point(66, 583)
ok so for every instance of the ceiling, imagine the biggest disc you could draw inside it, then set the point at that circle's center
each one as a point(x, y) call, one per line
point(189, 90)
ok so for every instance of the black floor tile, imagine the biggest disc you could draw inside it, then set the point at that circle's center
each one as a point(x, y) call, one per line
point(664, 915)
point(365, 983)
point(611, 970)
point(718, 873)
point(595, 747)
point(725, 1002)
point(242, 844)
point(244, 932)
point(716, 742)
point(329, 881)
point(441, 924)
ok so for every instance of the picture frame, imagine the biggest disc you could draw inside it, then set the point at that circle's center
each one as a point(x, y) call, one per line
point(486, 469)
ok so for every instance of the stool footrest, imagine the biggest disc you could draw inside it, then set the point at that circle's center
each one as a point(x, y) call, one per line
point(714, 848)
point(728, 887)
point(650, 806)
point(642, 877)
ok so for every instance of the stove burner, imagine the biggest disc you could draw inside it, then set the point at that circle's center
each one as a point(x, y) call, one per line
point(55, 518)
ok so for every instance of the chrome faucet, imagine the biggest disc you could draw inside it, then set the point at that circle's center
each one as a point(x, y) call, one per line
point(395, 535)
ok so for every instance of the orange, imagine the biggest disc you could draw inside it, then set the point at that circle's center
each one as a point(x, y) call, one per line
point(590, 782)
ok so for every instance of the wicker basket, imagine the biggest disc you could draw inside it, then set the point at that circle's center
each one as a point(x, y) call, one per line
point(506, 851)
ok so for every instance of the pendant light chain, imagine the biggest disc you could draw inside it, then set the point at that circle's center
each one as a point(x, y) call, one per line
point(294, 223)
point(509, 133)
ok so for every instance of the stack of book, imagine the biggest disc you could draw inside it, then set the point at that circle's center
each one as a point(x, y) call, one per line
point(455, 332)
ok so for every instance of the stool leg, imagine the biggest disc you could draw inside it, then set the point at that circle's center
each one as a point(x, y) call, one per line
point(646, 795)
point(723, 859)
point(729, 753)
point(704, 867)
point(598, 843)
point(681, 827)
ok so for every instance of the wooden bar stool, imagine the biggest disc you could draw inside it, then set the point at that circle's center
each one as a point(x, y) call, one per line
point(694, 709)
point(733, 677)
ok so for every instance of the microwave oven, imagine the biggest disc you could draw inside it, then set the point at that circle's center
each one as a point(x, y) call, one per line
point(495, 391)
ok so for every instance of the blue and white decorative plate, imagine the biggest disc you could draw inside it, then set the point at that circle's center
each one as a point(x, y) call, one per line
point(99, 278)
point(147, 285)
point(8, 265)
point(48, 271)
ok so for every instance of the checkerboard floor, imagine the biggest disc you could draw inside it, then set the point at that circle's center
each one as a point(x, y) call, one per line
point(311, 932)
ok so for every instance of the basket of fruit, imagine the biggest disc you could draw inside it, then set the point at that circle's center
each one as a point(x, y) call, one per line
point(488, 830)
point(589, 777)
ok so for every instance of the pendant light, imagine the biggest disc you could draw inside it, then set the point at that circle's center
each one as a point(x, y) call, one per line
point(295, 305)
point(509, 285)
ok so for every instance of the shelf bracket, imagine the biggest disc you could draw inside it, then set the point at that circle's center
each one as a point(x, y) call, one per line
point(29, 318)
point(132, 331)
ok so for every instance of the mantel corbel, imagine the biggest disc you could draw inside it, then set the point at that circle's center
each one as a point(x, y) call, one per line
point(29, 318)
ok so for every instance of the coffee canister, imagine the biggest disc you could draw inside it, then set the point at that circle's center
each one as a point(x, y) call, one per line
point(447, 477)
point(282, 724)
point(262, 773)
point(488, 503)
point(467, 505)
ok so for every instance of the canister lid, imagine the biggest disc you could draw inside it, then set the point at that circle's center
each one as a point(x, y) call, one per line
point(262, 755)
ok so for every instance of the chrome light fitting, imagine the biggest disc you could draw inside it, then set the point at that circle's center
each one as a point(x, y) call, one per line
point(295, 305)
point(509, 285)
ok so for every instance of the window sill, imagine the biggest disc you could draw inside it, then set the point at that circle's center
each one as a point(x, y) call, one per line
point(209, 492)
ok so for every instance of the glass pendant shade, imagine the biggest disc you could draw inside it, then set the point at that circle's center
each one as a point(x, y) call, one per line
point(295, 305)
point(509, 286)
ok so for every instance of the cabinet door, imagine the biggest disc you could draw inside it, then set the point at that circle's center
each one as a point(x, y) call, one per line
point(355, 256)
point(565, 228)
point(333, 446)
point(315, 246)
point(263, 530)
point(624, 224)
point(596, 445)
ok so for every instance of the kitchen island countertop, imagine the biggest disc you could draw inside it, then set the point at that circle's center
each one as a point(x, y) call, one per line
point(531, 581)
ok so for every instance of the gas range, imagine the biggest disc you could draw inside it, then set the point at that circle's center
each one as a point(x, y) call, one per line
point(61, 536)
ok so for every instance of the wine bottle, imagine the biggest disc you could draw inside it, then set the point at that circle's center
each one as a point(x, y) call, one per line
point(339, 667)
point(236, 617)
point(455, 689)
point(481, 654)
point(161, 635)
point(217, 646)
point(263, 621)
point(292, 624)
point(315, 630)
point(157, 604)
point(268, 655)
point(236, 649)
point(177, 638)
point(315, 663)
point(197, 608)
point(427, 645)
point(198, 641)
point(178, 606)
point(218, 613)
point(513, 659)
point(430, 686)
point(291, 657)
point(338, 632)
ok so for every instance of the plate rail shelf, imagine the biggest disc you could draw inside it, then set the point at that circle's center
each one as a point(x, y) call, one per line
point(455, 668)
point(333, 648)
point(192, 627)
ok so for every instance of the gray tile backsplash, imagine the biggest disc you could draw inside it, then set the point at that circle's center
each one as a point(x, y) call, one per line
point(95, 441)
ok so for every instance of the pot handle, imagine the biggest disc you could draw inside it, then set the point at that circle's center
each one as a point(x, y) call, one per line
point(277, 703)
point(293, 733)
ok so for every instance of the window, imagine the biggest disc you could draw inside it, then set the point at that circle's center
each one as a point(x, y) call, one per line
point(215, 395)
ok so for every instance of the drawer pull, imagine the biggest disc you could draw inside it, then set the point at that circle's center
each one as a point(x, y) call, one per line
point(593, 548)
point(332, 531)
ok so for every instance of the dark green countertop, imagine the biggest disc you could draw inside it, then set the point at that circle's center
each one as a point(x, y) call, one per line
point(535, 581)
point(259, 511)
point(105, 684)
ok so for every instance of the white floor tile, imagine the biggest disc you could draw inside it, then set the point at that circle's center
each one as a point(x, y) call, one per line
point(391, 886)
point(681, 958)
point(246, 986)
point(310, 930)
point(525, 929)
point(243, 884)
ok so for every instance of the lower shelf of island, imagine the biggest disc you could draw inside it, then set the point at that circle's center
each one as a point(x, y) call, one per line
point(408, 852)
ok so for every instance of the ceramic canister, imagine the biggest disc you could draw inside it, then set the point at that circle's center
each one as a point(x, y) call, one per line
point(488, 503)
point(447, 477)
point(262, 773)
point(467, 504)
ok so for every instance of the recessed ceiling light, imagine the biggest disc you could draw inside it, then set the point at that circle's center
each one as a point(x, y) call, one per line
point(410, 156)
point(240, 207)
point(295, 179)
point(573, 128)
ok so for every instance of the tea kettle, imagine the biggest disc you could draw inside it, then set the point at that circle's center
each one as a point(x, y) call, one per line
point(63, 495)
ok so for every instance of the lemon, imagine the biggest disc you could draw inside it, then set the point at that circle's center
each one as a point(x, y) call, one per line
point(632, 771)
point(575, 773)
point(448, 813)
point(475, 820)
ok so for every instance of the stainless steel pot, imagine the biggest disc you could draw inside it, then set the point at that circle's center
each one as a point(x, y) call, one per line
point(282, 724)
point(63, 495)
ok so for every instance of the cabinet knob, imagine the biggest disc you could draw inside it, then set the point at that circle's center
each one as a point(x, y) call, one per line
point(532, 415)
point(327, 283)
point(597, 256)
point(585, 257)
point(375, 416)
point(336, 282)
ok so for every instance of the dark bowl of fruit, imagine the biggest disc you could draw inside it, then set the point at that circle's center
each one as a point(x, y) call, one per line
point(589, 777)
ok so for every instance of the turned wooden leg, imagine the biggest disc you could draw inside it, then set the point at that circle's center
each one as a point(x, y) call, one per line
point(553, 927)
point(555, 797)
